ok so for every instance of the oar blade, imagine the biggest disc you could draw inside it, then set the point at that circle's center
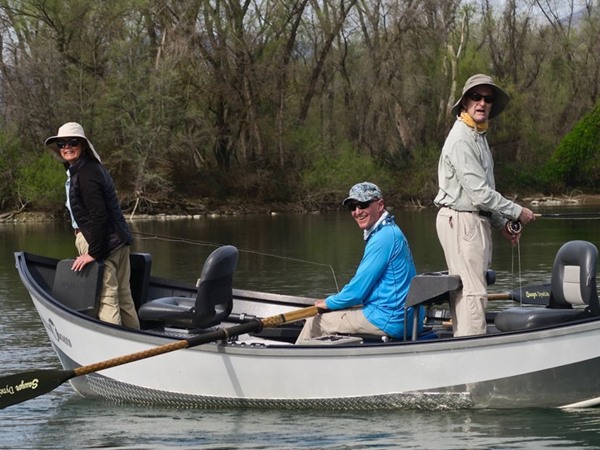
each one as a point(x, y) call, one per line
point(24, 386)
point(532, 295)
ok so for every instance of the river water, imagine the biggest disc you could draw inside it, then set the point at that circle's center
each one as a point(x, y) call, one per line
point(311, 255)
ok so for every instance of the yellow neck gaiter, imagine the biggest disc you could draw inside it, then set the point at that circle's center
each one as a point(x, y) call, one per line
point(480, 127)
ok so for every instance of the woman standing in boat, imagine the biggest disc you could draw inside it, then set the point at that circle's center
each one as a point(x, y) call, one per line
point(377, 292)
point(469, 203)
point(101, 232)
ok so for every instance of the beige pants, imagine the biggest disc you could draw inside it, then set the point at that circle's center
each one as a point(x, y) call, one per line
point(348, 321)
point(467, 242)
point(116, 302)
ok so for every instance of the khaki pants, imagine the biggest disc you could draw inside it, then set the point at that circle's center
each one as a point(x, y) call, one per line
point(348, 321)
point(116, 302)
point(467, 242)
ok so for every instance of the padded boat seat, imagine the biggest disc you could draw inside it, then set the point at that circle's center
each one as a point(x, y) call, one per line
point(573, 283)
point(514, 319)
point(214, 298)
point(78, 290)
point(432, 288)
point(141, 266)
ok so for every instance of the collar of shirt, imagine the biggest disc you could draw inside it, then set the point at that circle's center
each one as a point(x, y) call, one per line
point(371, 230)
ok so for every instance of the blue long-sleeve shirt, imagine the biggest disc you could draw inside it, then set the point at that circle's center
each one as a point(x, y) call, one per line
point(381, 281)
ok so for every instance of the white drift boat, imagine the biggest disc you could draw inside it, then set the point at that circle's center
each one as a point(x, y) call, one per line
point(228, 355)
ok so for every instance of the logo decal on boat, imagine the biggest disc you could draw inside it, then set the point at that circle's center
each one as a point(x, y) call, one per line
point(53, 332)
point(537, 294)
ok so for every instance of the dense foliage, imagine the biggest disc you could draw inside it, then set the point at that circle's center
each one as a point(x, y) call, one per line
point(576, 161)
point(197, 103)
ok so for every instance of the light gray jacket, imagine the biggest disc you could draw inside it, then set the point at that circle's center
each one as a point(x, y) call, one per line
point(466, 176)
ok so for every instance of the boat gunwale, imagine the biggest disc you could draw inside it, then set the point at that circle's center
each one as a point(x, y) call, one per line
point(366, 349)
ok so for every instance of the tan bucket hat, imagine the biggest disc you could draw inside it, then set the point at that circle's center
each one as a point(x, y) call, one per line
point(501, 98)
point(71, 129)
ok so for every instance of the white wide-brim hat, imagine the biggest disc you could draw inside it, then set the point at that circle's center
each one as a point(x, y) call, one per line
point(71, 130)
point(501, 98)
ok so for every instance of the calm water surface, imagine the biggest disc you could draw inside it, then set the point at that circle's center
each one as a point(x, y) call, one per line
point(296, 254)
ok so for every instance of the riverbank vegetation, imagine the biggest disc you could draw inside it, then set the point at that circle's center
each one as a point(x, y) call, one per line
point(201, 105)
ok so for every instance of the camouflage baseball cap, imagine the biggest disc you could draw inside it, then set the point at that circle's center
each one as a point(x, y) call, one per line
point(363, 192)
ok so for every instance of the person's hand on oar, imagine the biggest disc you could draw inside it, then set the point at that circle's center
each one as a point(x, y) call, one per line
point(24, 386)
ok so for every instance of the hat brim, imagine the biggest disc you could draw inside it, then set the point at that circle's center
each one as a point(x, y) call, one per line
point(501, 99)
point(52, 140)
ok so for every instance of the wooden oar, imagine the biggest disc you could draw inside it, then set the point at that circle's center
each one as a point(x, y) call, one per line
point(529, 295)
point(27, 385)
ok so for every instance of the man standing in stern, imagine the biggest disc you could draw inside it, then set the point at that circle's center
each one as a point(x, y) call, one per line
point(469, 203)
point(101, 232)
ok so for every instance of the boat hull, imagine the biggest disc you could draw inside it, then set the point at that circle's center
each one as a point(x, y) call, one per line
point(551, 367)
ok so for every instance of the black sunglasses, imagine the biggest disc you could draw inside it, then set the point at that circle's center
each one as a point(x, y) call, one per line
point(73, 142)
point(360, 205)
point(476, 97)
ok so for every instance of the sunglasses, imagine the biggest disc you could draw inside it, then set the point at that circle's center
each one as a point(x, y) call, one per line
point(476, 97)
point(360, 205)
point(62, 143)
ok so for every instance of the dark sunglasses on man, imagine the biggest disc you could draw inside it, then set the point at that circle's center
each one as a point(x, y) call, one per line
point(360, 205)
point(476, 97)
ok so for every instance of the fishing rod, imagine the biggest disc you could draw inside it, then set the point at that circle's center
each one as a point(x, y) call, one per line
point(515, 226)
point(580, 215)
point(213, 244)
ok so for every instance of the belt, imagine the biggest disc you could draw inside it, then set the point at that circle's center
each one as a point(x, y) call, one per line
point(479, 213)
point(77, 231)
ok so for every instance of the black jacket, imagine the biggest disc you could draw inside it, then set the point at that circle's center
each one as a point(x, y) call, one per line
point(96, 209)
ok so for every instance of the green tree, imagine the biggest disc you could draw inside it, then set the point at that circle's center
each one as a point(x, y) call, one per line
point(576, 161)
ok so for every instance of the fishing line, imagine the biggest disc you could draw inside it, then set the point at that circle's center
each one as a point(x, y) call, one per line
point(512, 270)
point(165, 238)
point(520, 275)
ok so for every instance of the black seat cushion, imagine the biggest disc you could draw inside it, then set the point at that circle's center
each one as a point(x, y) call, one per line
point(78, 290)
point(213, 302)
point(514, 319)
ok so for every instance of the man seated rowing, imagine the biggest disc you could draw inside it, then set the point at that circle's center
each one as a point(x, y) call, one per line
point(372, 303)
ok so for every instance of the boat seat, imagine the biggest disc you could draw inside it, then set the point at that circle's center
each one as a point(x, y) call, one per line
point(79, 291)
point(139, 280)
point(430, 288)
point(573, 283)
point(214, 298)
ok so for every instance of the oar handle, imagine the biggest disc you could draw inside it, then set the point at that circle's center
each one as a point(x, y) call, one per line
point(292, 316)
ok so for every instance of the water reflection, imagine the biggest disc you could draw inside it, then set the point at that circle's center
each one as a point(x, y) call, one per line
point(244, 429)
